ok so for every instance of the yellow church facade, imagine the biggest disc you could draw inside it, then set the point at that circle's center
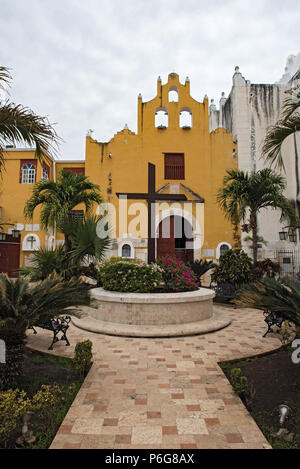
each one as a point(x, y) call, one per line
point(159, 184)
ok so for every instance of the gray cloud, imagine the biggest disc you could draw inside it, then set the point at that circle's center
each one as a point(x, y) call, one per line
point(84, 63)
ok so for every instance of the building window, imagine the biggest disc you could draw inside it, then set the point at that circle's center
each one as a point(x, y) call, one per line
point(174, 166)
point(28, 173)
point(45, 172)
point(222, 248)
point(126, 250)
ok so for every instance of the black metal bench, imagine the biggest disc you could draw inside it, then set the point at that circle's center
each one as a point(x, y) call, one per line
point(225, 292)
point(56, 325)
point(272, 319)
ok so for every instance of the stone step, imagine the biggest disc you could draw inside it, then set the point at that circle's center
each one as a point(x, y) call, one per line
point(219, 320)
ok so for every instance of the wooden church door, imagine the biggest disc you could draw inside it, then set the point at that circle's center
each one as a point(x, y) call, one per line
point(172, 239)
point(165, 240)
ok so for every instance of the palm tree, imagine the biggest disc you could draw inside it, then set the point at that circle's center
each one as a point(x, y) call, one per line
point(22, 305)
point(281, 296)
point(244, 195)
point(57, 199)
point(19, 124)
point(288, 125)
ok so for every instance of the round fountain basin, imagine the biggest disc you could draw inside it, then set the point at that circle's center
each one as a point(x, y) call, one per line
point(152, 308)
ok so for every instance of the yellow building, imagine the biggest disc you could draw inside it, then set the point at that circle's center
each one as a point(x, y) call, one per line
point(165, 177)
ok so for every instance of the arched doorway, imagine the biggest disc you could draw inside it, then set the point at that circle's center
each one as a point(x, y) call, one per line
point(175, 235)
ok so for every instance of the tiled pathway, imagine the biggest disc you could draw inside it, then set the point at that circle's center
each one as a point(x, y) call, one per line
point(162, 393)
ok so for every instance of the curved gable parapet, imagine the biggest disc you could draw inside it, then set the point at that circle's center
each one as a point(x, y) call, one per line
point(173, 97)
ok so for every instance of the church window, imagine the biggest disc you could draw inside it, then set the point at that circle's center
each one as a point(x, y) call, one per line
point(223, 248)
point(185, 118)
point(173, 94)
point(28, 173)
point(174, 166)
point(126, 250)
point(161, 118)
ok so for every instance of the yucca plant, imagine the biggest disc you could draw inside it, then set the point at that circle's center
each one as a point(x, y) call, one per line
point(281, 296)
point(86, 244)
point(21, 305)
point(48, 262)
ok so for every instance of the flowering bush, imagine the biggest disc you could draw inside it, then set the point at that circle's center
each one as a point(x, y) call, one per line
point(130, 277)
point(234, 267)
point(177, 276)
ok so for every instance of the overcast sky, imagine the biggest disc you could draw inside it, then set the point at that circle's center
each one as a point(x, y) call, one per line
point(84, 62)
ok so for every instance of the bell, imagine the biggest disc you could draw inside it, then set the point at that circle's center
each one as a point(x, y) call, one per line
point(284, 413)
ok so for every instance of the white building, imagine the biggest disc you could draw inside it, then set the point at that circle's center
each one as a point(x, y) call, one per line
point(248, 112)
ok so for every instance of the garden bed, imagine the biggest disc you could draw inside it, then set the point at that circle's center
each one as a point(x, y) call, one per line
point(43, 369)
point(275, 380)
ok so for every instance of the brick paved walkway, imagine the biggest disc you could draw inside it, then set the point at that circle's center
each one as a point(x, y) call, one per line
point(162, 393)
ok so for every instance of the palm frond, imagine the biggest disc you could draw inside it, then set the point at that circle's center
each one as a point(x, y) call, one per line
point(291, 103)
point(5, 77)
point(280, 296)
point(86, 243)
point(22, 305)
point(275, 137)
point(45, 263)
point(58, 199)
point(19, 125)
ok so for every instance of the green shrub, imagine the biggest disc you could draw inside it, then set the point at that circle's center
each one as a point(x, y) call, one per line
point(44, 405)
point(126, 259)
point(241, 386)
point(82, 360)
point(45, 399)
point(177, 276)
point(239, 382)
point(13, 405)
point(234, 267)
point(130, 277)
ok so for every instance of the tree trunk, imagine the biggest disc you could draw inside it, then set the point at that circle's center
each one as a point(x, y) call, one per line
point(253, 223)
point(68, 245)
point(236, 235)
